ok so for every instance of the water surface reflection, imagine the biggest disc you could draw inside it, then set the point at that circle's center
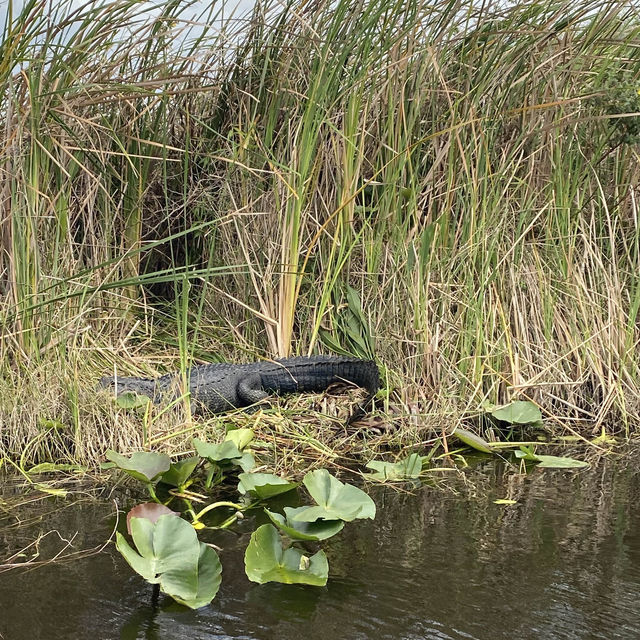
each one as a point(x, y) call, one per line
point(564, 562)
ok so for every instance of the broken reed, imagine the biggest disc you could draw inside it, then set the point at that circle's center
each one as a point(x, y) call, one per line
point(450, 186)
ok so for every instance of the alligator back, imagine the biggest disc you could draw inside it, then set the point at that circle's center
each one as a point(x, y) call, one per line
point(223, 386)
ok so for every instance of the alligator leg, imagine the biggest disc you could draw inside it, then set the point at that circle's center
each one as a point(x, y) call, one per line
point(250, 390)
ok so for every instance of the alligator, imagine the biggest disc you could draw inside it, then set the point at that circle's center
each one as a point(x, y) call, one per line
point(225, 386)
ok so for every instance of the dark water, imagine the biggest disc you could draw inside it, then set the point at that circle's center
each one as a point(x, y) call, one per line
point(562, 563)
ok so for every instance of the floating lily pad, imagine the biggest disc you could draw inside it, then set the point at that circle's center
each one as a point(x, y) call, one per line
point(518, 412)
point(550, 462)
point(560, 462)
point(263, 485)
point(406, 469)
point(472, 440)
point(145, 466)
point(336, 500)
point(266, 561)
point(225, 451)
point(180, 471)
point(169, 554)
point(298, 530)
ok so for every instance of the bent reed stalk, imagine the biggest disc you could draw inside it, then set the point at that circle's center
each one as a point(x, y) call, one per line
point(450, 186)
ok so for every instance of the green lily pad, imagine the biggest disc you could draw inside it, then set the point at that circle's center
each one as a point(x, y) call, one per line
point(550, 462)
point(298, 530)
point(145, 466)
point(266, 561)
point(169, 554)
point(263, 485)
point(336, 500)
point(225, 451)
point(518, 412)
point(406, 469)
point(241, 437)
point(180, 471)
point(560, 462)
point(472, 440)
point(209, 579)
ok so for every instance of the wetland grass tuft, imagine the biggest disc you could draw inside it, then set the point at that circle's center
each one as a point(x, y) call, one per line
point(450, 185)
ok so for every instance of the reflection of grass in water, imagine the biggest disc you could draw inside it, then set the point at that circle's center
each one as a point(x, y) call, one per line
point(25, 511)
point(444, 185)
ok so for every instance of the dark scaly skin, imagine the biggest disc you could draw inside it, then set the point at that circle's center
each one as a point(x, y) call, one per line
point(225, 386)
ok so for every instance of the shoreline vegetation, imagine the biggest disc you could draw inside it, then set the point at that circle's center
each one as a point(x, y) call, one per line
point(447, 187)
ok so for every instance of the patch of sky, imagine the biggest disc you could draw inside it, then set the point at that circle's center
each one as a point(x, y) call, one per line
point(57, 22)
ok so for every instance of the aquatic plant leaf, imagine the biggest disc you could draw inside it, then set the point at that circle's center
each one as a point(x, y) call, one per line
point(406, 469)
point(266, 561)
point(505, 501)
point(209, 579)
point(263, 485)
point(137, 562)
point(169, 554)
point(526, 453)
point(240, 437)
point(149, 510)
point(549, 462)
point(336, 500)
point(145, 466)
point(559, 462)
point(224, 451)
point(472, 440)
point(298, 530)
point(518, 412)
point(179, 472)
point(246, 462)
point(131, 400)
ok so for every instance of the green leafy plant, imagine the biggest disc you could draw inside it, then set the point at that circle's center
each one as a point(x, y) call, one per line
point(407, 469)
point(146, 466)
point(168, 553)
point(226, 454)
point(472, 440)
point(299, 530)
point(549, 462)
point(267, 561)
point(180, 472)
point(519, 412)
point(222, 453)
point(335, 500)
point(132, 400)
point(263, 485)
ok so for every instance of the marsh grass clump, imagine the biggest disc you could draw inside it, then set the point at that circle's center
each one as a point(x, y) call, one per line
point(450, 186)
